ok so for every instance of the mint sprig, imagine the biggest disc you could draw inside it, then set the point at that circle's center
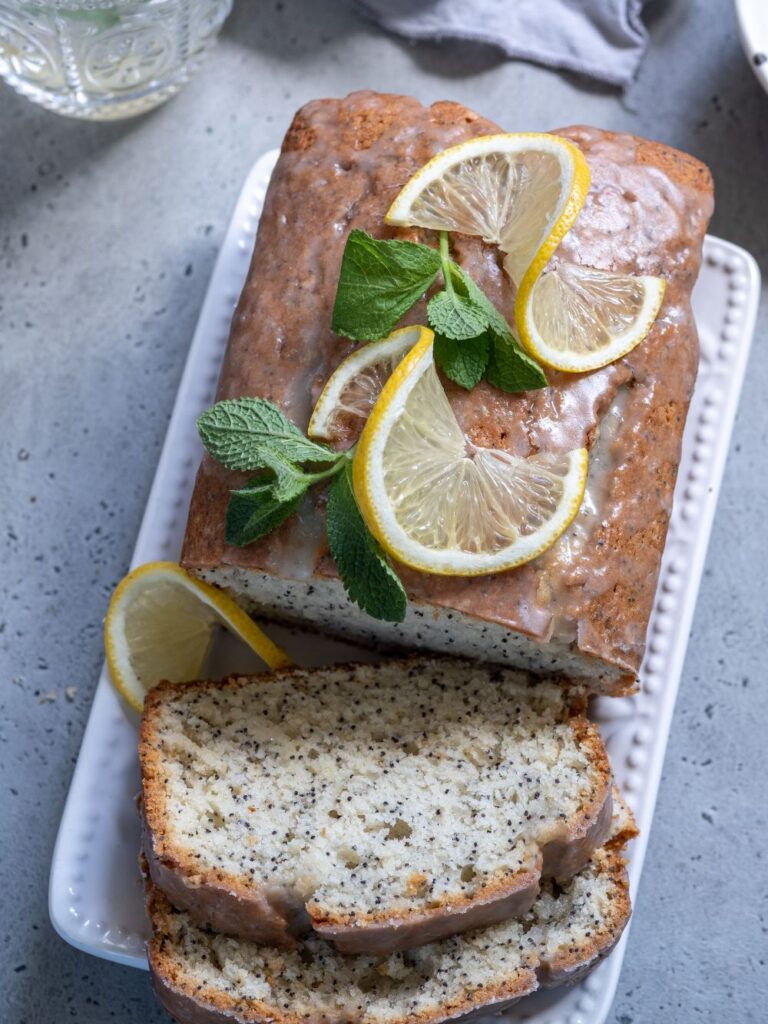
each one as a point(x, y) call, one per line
point(253, 434)
point(381, 280)
point(455, 313)
point(367, 575)
point(256, 510)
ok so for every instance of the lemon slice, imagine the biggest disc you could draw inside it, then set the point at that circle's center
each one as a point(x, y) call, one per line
point(523, 192)
point(576, 319)
point(520, 191)
point(351, 390)
point(160, 625)
point(439, 503)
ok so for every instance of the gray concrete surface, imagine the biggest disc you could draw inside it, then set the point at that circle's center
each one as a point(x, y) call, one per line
point(108, 234)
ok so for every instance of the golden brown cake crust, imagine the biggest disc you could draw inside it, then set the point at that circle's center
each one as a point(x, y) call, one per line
point(646, 213)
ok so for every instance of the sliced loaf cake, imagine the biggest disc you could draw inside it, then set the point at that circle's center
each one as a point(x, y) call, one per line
point(383, 806)
point(582, 608)
point(200, 976)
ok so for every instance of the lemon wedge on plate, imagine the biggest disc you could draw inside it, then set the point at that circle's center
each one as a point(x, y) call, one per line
point(440, 504)
point(160, 625)
point(520, 191)
point(576, 319)
point(353, 387)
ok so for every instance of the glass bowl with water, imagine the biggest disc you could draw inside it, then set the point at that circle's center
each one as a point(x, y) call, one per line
point(105, 59)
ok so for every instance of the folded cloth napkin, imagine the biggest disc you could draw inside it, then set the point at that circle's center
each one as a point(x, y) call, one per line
point(601, 38)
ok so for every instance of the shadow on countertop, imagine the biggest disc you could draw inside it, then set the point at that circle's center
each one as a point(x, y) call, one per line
point(41, 149)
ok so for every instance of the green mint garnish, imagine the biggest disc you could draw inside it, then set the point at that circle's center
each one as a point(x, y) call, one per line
point(381, 280)
point(463, 362)
point(367, 575)
point(257, 510)
point(253, 434)
point(510, 368)
point(245, 433)
point(378, 283)
point(455, 316)
point(453, 313)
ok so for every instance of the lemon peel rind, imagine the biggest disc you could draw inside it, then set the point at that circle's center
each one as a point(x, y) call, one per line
point(365, 445)
point(387, 530)
point(566, 218)
point(358, 360)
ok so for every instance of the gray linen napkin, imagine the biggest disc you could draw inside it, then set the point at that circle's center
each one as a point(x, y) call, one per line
point(601, 38)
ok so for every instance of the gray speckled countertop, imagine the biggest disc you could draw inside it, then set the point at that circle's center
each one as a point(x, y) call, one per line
point(108, 234)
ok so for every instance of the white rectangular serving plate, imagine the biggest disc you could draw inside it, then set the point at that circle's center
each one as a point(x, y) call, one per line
point(95, 894)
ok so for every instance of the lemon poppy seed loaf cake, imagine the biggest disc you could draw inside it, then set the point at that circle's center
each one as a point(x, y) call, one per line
point(201, 977)
point(581, 608)
point(380, 806)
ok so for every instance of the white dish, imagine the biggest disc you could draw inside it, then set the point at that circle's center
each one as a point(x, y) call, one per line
point(752, 16)
point(95, 897)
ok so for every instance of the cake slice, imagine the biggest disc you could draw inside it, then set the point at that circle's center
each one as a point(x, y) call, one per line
point(201, 976)
point(580, 609)
point(383, 806)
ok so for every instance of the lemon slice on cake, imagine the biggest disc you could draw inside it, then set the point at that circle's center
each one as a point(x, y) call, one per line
point(523, 192)
point(576, 319)
point(351, 390)
point(160, 625)
point(520, 191)
point(440, 504)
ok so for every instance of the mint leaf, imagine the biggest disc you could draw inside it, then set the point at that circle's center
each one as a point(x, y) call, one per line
point(511, 369)
point(378, 283)
point(463, 362)
point(257, 510)
point(247, 433)
point(456, 316)
point(288, 479)
point(368, 578)
point(466, 286)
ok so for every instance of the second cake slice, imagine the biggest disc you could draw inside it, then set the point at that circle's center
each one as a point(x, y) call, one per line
point(384, 806)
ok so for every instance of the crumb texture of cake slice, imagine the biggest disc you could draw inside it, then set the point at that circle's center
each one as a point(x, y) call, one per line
point(201, 977)
point(381, 806)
